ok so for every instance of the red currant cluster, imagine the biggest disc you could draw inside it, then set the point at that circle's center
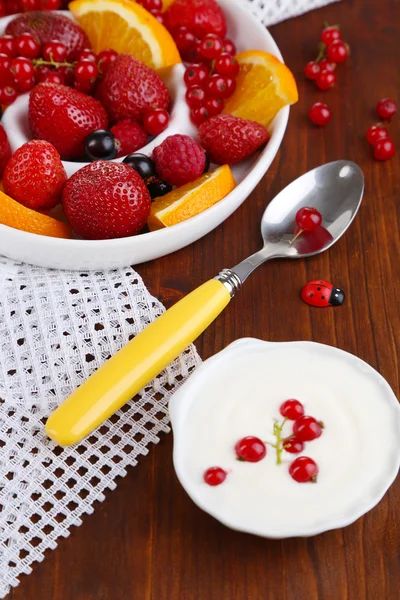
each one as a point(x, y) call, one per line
point(252, 449)
point(11, 7)
point(210, 76)
point(155, 7)
point(24, 62)
point(378, 135)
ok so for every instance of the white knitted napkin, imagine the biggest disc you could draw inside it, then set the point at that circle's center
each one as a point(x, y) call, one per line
point(275, 11)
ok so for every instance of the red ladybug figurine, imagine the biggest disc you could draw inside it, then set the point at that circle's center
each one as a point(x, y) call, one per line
point(322, 293)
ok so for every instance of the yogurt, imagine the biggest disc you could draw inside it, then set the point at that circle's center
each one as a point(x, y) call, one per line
point(238, 393)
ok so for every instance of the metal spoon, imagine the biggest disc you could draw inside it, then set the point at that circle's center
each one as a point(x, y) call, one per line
point(334, 189)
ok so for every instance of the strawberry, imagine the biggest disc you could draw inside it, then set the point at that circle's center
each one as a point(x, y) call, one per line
point(130, 135)
point(229, 140)
point(129, 88)
point(5, 150)
point(35, 175)
point(199, 16)
point(106, 200)
point(64, 117)
point(47, 26)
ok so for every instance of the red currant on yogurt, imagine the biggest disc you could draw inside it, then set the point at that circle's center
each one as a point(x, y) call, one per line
point(375, 133)
point(211, 46)
point(250, 449)
point(291, 409)
point(319, 114)
point(214, 476)
point(199, 115)
point(384, 149)
point(386, 108)
point(308, 219)
point(195, 96)
point(293, 445)
point(330, 34)
point(307, 429)
point(312, 69)
point(337, 52)
point(195, 74)
point(105, 59)
point(54, 51)
point(155, 121)
point(226, 64)
point(325, 79)
point(304, 469)
point(26, 45)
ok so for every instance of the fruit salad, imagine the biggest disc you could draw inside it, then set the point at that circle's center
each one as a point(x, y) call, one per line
point(96, 81)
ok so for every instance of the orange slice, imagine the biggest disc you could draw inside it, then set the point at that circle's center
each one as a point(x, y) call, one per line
point(191, 199)
point(127, 28)
point(15, 215)
point(264, 85)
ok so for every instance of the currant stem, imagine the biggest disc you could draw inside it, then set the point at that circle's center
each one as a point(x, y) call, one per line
point(296, 236)
point(321, 52)
point(40, 61)
point(279, 440)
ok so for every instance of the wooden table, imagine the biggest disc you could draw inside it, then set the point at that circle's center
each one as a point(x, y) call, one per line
point(148, 540)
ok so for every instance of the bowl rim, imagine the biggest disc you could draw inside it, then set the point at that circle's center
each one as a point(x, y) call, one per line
point(177, 415)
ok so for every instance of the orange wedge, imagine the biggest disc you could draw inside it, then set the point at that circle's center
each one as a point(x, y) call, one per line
point(127, 28)
point(264, 85)
point(191, 199)
point(14, 214)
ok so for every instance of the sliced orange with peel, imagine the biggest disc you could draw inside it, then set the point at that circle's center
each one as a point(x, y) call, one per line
point(191, 199)
point(263, 86)
point(15, 215)
point(128, 28)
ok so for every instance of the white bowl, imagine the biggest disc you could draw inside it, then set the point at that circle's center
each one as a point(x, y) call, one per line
point(247, 33)
point(238, 393)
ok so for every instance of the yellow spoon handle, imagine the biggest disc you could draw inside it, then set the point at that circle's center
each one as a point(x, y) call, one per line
point(126, 373)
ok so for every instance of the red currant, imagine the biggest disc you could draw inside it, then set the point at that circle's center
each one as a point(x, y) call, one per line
point(50, 4)
point(159, 16)
point(105, 59)
point(54, 77)
point(3, 11)
point(155, 121)
point(54, 51)
point(199, 115)
point(330, 34)
point(320, 114)
point(195, 96)
point(230, 86)
point(303, 470)
point(375, 133)
point(22, 69)
point(308, 219)
point(307, 429)
point(7, 45)
point(87, 54)
point(185, 41)
point(215, 476)
point(7, 95)
point(25, 85)
point(66, 74)
point(384, 149)
point(6, 77)
point(41, 72)
point(229, 47)
point(337, 52)
point(312, 69)
point(151, 4)
point(226, 64)
point(211, 46)
point(291, 409)
point(216, 86)
point(86, 87)
point(386, 108)
point(85, 71)
point(325, 64)
point(250, 449)
point(325, 79)
point(195, 75)
point(26, 45)
point(28, 5)
point(214, 106)
point(293, 445)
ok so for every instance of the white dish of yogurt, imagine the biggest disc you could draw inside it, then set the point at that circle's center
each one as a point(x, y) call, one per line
point(238, 393)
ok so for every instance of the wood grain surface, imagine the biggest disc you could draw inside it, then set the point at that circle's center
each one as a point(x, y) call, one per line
point(148, 541)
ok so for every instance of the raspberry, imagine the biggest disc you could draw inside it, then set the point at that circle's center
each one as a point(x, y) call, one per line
point(179, 159)
point(130, 135)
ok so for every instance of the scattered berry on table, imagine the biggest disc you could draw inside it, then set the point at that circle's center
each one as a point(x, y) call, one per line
point(195, 74)
point(291, 409)
point(199, 16)
point(308, 219)
point(155, 120)
point(35, 175)
point(131, 136)
point(330, 34)
point(321, 293)
point(386, 108)
point(215, 476)
point(384, 149)
point(157, 187)
point(325, 79)
point(142, 164)
point(320, 114)
point(5, 150)
point(101, 145)
point(250, 449)
point(375, 133)
point(307, 429)
point(312, 69)
point(304, 470)
point(337, 52)
point(325, 64)
point(179, 159)
point(293, 445)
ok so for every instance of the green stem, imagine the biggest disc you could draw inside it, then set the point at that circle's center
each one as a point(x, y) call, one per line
point(40, 61)
point(279, 440)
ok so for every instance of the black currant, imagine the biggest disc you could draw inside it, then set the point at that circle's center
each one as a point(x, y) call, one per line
point(101, 145)
point(142, 164)
point(157, 187)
